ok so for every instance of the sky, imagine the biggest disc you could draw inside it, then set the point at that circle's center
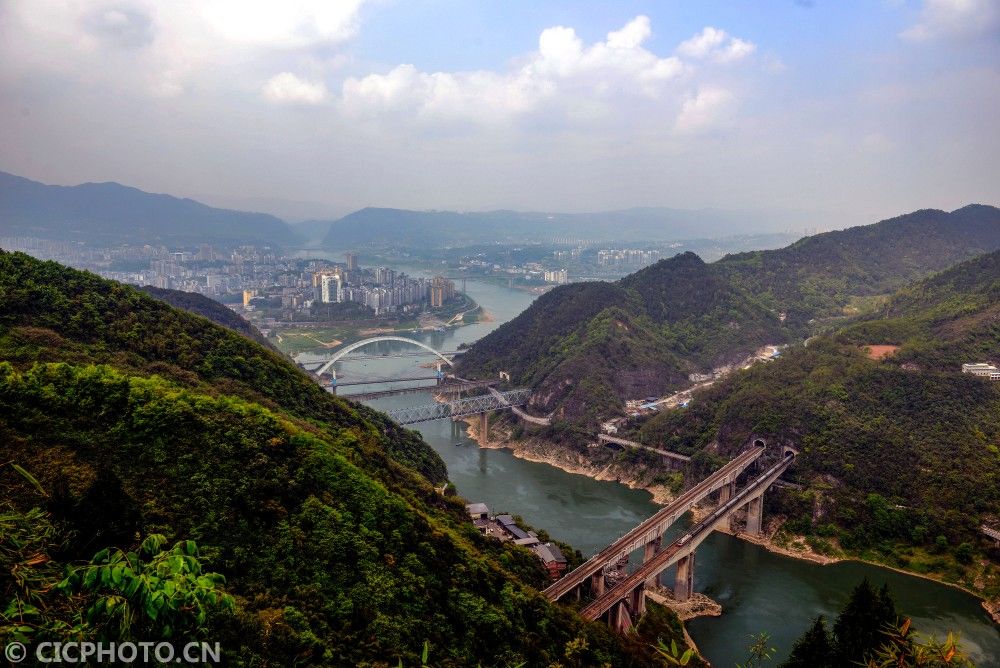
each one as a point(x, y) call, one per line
point(313, 108)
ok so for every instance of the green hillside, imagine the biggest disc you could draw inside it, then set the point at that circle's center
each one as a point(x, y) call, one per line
point(587, 347)
point(207, 307)
point(135, 418)
point(900, 456)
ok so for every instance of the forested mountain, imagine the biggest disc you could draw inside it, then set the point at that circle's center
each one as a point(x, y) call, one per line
point(110, 213)
point(433, 229)
point(130, 417)
point(586, 347)
point(207, 307)
point(900, 455)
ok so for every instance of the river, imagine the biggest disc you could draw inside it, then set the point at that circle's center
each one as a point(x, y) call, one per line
point(759, 591)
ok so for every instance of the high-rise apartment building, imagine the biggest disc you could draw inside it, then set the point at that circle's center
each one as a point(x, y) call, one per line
point(442, 290)
point(352, 261)
point(330, 289)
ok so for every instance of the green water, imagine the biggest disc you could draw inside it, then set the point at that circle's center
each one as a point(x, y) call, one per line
point(759, 590)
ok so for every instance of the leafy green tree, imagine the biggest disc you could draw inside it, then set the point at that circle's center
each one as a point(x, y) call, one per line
point(858, 629)
point(672, 655)
point(813, 650)
point(964, 553)
point(759, 651)
point(905, 648)
point(151, 592)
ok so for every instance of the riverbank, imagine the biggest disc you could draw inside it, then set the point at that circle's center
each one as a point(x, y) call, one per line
point(544, 452)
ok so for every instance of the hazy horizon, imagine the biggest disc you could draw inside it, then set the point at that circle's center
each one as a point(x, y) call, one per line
point(315, 109)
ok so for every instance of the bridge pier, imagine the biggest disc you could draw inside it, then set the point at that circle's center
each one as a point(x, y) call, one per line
point(637, 601)
point(726, 492)
point(597, 583)
point(621, 620)
point(648, 552)
point(484, 427)
point(684, 583)
point(755, 509)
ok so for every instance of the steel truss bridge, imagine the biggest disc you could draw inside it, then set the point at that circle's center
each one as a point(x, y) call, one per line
point(444, 388)
point(462, 407)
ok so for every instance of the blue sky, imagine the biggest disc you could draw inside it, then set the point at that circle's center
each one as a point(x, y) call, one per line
point(847, 110)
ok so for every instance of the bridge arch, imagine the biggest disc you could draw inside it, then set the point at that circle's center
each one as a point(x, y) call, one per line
point(375, 339)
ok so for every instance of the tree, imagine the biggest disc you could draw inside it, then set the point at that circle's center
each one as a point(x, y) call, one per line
point(150, 593)
point(858, 629)
point(905, 648)
point(759, 651)
point(813, 650)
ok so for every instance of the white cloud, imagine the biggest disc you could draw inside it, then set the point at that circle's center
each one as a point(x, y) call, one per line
point(954, 18)
point(166, 48)
point(715, 44)
point(288, 88)
point(564, 77)
point(709, 108)
point(288, 23)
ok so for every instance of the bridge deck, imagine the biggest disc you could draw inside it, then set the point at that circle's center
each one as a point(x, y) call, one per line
point(461, 407)
point(605, 438)
point(682, 546)
point(447, 388)
point(654, 526)
point(526, 416)
point(382, 381)
point(992, 533)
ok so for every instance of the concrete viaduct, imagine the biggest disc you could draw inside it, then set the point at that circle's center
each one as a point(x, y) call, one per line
point(626, 600)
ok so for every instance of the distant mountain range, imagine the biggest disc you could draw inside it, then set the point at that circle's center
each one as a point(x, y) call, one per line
point(377, 226)
point(110, 213)
point(586, 347)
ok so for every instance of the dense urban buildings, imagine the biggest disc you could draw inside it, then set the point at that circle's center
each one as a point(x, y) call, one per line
point(250, 276)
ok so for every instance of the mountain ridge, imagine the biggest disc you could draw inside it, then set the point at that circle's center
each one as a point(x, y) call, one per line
point(899, 457)
point(698, 316)
point(109, 212)
point(384, 225)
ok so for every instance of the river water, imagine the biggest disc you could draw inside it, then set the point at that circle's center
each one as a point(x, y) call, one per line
point(759, 591)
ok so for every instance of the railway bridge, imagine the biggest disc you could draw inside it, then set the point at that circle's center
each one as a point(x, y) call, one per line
point(626, 601)
point(649, 533)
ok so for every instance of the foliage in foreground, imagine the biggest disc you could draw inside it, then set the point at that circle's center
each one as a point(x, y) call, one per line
point(868, 632)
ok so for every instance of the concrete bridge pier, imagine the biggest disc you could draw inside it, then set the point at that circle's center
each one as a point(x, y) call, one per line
point(684, 583)
point(755, 510)
point(637, 601)
point(648, 552)
point(621, 620)
point(484, 427)
point(726, 492)
point(597, 584)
